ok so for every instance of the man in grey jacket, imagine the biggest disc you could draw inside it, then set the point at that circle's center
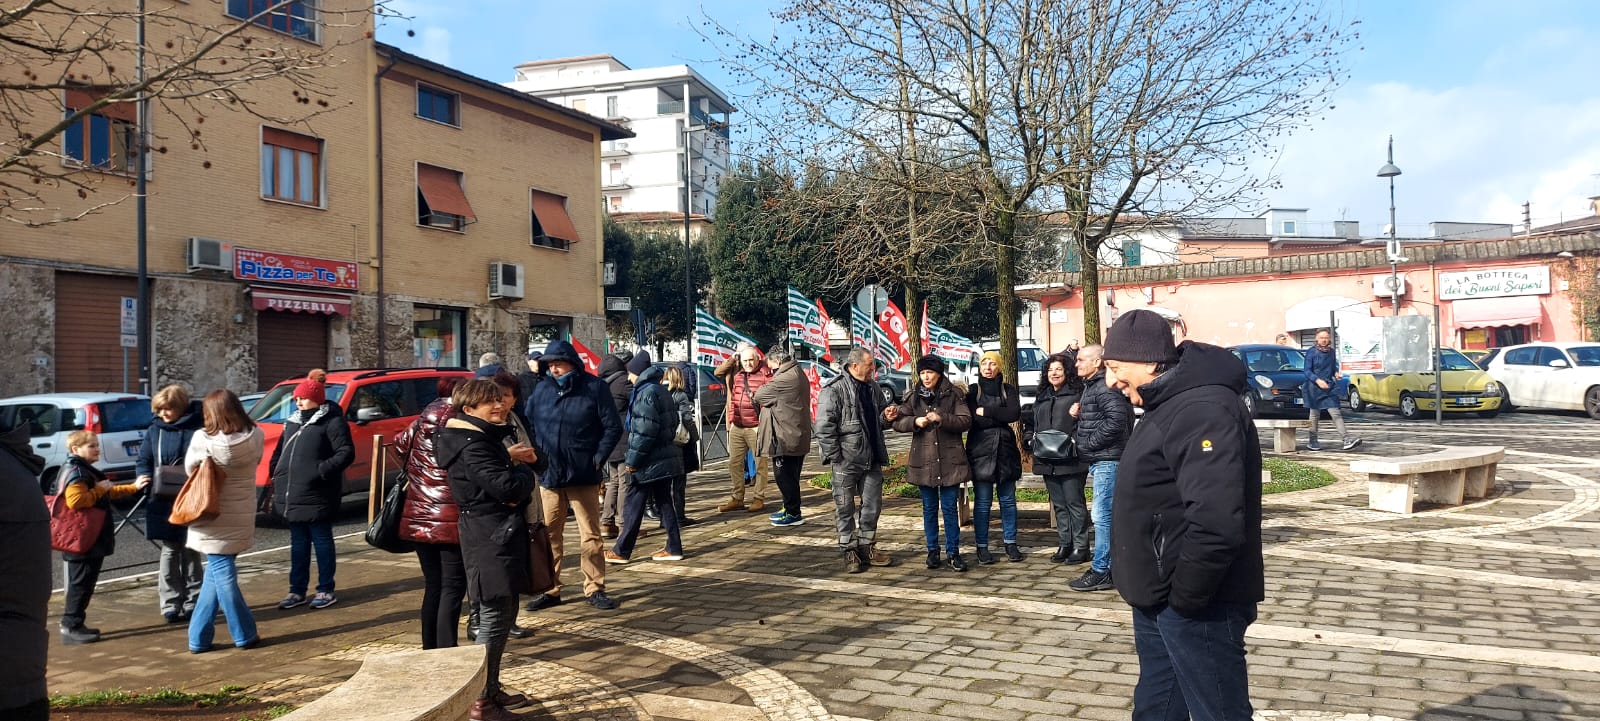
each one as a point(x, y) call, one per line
point(851, 439)
point(784, 432)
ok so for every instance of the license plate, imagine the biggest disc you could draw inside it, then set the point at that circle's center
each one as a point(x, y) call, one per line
point(131, 447)
point(1466, 401)
point(1299, 401)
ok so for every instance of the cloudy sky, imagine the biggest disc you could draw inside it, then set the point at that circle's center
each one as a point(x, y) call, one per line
point(1490, 103)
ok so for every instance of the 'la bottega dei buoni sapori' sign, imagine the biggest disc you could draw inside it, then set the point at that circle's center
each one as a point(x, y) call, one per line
point(1495, 283)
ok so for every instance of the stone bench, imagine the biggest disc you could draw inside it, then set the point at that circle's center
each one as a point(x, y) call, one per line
point(411, 685)
point(1283, 439)
point(1449, 476)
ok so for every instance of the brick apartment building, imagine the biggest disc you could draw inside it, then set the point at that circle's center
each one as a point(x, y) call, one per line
point(422, 218)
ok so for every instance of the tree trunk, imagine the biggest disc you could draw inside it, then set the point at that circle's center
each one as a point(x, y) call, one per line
point(1089, 287)
point(913, 312)
point(1005, 271)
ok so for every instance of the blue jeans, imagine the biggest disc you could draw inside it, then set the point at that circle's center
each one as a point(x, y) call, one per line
point(220, 590)
point(303, 537)
point(1192, 668)
point(935, 501)
point(982, 504)
point(1103, 474)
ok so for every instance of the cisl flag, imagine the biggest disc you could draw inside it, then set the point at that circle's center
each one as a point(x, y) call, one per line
point(893, 322)
point(591, 362)
point(808, 323)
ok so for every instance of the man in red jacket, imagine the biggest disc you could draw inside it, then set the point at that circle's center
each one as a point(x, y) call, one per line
point(744, 373)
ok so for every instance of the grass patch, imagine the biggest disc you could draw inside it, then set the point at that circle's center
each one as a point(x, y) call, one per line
point(225, 696)
point(271, 713)
point(1289, 476)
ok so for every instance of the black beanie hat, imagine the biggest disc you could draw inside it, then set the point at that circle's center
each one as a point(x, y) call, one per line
point(1140, 336)
point(930, 363)
point(639, 363)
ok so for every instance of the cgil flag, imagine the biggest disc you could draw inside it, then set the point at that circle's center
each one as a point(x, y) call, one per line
point(808, 323)
point(714, 340)
point(893, 324)
point(591, 362)
point(867, 334)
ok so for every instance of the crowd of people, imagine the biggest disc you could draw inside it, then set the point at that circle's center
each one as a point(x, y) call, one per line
point(1175, 509)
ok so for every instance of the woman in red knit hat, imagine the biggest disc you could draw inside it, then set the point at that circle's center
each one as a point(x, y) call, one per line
point(307, 480)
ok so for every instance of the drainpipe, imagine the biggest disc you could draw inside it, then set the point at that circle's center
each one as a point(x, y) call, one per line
point(377, 104)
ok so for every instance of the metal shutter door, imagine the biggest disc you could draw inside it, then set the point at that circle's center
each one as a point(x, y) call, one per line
point(288, 345)
point(88, 332)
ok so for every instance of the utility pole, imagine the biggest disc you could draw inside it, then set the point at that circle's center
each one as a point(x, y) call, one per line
point(141, 238)
point(1390, 171)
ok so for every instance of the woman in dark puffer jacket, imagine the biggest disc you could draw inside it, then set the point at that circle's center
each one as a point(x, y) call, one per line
point(428, 519)
point(651, 461)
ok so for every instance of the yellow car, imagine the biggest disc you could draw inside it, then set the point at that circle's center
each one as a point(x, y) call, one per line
point(1467, 389)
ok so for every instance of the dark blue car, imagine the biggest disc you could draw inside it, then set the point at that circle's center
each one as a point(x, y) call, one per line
point(1275, 376)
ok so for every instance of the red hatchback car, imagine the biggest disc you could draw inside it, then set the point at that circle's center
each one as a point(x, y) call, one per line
point(375, 402)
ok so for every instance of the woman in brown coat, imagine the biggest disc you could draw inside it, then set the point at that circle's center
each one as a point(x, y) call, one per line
point(936, 415)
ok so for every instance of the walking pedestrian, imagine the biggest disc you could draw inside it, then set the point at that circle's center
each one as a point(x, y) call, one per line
point(575, 428)
point(744, 374)
point(651, 463)
point(234, 441)
point(851, 441)
point(25, 565)
point(1057, 459)
point(86, 487)
point(936, 415)
point(1322, 372)
point(529, 378)
point(1186, 521)
point(783, 434)
point(428, 520)
point(690, 447)
point(992, 452)
point(1105, 418)
point(491, 485)
point(181, 569)
point(307, 470)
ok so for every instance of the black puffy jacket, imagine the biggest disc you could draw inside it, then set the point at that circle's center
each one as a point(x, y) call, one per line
point(1186, 517)
point(652, 423)
point(1105, 418)
point(308, 464)
point(991, 444)
point(491, 492)
point(1052, 410)
point(25, 566)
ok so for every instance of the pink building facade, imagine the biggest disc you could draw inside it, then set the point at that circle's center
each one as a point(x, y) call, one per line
point(1490, 293)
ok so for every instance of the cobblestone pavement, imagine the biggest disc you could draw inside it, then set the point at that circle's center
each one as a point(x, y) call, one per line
point(1484, 611)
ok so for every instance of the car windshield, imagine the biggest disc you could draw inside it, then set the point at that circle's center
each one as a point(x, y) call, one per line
point(1275, 359)
point(1029, 359)
point(1454, 361)
point(132, 414)
point(1585, 355)
point(278, 403)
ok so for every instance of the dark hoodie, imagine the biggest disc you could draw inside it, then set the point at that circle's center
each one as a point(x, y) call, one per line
point(165, 445)
point(575, 422)
point(25, 566)
point(652, 424)
point(614, 371)
point(1186, 517)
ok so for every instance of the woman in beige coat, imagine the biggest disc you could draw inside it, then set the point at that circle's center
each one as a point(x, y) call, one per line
point(232, 440)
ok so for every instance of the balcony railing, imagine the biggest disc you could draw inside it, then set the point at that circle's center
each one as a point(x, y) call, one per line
point(696, 115)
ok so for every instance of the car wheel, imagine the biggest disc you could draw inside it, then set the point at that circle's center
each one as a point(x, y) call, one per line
point(1505, 397)
point(1357, 403)
point(886, 395)
point(1591, 402)
point(1252, 404)
point(1408, 407)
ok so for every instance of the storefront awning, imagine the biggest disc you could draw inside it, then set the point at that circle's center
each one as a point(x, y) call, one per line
point(1496, 312)
point(1315, 312)
point(292, 301)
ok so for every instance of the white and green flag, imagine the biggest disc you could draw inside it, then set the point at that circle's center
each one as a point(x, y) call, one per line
point(808, 323)
point(714, 340)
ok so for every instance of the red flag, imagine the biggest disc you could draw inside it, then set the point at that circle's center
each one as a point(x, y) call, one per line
point(591, 362)
point(893, 322)
point(815, 382)
point(828, 354)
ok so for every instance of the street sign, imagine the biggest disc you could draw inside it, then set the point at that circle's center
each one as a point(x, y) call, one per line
point(130, 340)
point(873, 298)
point(619, 302)
point(608, 274)
point(130, 316)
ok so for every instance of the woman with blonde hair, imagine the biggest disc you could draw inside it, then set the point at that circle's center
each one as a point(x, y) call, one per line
point(177, 418)
point(86, 487)
point(231, 439)
point(676, 384)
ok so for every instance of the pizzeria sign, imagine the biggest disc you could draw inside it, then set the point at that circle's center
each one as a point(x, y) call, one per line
point(1495, 283)
point(261, 265)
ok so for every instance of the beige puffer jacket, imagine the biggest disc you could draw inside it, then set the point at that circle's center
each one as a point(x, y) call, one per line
point(233, 530)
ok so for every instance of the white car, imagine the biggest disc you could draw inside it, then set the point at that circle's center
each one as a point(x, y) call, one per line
point(119, 418)
point(1549, 375)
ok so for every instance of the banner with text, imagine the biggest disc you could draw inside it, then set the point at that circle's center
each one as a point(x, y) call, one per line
point(808, 323)
point(869, 335)
point(893, 324)
point(714, 340)
point(944, 343)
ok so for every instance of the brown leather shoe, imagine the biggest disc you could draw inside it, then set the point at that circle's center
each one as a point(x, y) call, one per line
point(758, 505)
point(610, 530)
point(876, 557)
point(508, 700)
point(485, 710)
point(731, 506)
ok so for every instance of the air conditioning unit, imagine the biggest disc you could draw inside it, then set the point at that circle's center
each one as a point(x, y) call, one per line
point(1381, 285)
point(209, 254)
point(505, 281)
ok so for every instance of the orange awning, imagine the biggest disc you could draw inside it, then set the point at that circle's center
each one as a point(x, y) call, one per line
point(551, 210)
point(1496, 312)
point(442, 189)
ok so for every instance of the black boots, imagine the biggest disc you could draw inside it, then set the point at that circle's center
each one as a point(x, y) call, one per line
point(1061, 554)
point(1013, 554)
point(78, 635)
point(956, 564)
point(984, 556)
point(933, 559)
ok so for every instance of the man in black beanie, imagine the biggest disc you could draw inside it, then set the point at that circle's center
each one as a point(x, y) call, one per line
point(1186, 521)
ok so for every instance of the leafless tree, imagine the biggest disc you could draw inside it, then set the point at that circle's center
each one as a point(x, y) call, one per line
point(63, 62)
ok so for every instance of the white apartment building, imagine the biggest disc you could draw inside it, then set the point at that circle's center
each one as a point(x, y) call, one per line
point(644, 174)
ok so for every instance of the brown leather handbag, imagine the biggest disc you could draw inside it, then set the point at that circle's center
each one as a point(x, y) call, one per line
point(541, 560)
point(201, 497)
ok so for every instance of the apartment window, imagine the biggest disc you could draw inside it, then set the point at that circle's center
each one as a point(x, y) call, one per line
point(1131, 252)
point(611, 107)
point(441, 200)
point(581, 105)
point(438, 105)
point(291, 167)
point(106, 139)
point(1288, 227)
point(615, 202)
point(1072, 261)
point(551, 225)
point(299, 18)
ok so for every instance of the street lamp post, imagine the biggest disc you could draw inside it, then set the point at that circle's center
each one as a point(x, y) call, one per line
point(1389, 170)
